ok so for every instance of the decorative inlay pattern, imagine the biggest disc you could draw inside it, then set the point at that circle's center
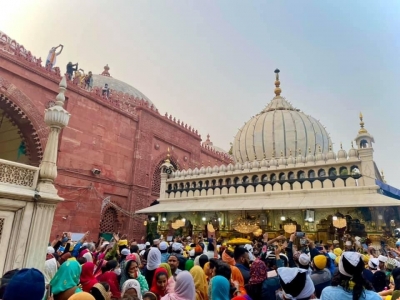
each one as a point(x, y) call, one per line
point(17, 175)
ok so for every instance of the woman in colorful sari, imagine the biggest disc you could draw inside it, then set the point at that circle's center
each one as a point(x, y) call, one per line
point(219, 288)
point(110, 275)
point(87, 277)
point(132, 272)
point(65, 283)
point(171, 280)
point(160, 282)
point(200, 282)
point(184, 288)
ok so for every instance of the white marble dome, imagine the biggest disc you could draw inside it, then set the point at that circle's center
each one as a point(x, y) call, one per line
point(278, 130)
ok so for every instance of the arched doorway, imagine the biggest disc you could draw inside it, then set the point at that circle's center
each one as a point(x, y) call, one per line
point(12, 145)
point(19, 140)
point(109, 221)
point(156, 180)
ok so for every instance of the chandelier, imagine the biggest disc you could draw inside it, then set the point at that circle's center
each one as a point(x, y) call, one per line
point(245, 225)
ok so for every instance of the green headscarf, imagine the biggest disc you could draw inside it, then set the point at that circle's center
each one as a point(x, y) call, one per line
point(189, 264)
point(67, 276)
point(166, 267)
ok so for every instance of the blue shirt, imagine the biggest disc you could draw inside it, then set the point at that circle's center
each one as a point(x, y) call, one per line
point(337, 292)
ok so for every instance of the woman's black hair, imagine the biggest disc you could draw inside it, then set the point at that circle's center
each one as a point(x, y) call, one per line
point(150, 296)
point(112, 264)
point(359, 282)
point(224, 270)
point(214, 263)
point(96, 293)
point(161, 274)
point(127, 266)
point(396, 278)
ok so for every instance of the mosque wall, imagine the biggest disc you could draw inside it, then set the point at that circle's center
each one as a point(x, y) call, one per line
point(124, 138)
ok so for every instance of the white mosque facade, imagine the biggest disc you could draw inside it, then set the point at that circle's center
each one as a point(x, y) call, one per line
point(285, 177)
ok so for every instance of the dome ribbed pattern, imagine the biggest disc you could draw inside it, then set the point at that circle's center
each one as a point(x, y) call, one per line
point(277, 130)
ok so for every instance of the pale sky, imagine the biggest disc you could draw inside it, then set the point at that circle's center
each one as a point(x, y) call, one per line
point(210, 63)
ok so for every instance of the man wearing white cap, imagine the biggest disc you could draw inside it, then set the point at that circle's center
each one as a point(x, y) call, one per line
point(382, 261)
point(296, 283)
point(163, 246)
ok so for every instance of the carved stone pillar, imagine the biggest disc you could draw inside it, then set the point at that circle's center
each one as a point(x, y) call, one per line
point(39, 233)
point(56, 117)
point(46, 198)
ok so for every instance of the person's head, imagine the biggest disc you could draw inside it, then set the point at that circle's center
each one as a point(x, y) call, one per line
point(351, 267)
point(131, 287)
point(134, 249)
point(304, 261)
point(125, 252)
point(223, 269)
point(81, 260)
point(113, 265)
point(213, 265)
point(173, 262)
point(161, 278)
point(382, 262)
point(149, 296)
point(319, 262)
point(5, 280)
point(396, 278)
point(295, 283)
point(25, 284)
point(163, 246)
point(373, 264)
point(132, 269)
point(348, 246)
point(241, 256)
point(203, 259)
point(106, 85)
point(101, 291)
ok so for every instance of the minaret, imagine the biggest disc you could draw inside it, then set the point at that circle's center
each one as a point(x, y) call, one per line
point(364, 143)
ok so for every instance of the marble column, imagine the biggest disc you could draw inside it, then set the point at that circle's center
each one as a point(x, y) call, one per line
point(46, 197)
point(39, 234)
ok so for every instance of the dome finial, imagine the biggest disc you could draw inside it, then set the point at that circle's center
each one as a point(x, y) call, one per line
point(277, 83)
point(362, 129)
point(352, 146)
point(341, 146)
point(319, 149)
point(330, 147)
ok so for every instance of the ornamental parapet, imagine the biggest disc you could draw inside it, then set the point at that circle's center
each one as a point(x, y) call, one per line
point(253, 178)
point(18, 175)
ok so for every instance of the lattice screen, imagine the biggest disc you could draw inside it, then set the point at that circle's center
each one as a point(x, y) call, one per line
point(2, 220)
point(155, 186)
point(108, 222)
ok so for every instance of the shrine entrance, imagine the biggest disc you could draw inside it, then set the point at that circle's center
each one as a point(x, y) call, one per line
point(19, 141)
point(12, 146)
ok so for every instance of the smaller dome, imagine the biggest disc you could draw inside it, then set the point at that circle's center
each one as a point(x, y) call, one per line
point(211, 145)
point(320, 156)
point(310, 158)
point(353, 153)
point(331, 155)
point(342, 154)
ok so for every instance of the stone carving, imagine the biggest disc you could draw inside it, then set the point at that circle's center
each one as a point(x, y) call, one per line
point(17, 175)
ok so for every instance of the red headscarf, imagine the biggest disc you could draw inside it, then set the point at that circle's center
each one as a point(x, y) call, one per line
point(154, 287)
point(87, 277)
point(258, 272)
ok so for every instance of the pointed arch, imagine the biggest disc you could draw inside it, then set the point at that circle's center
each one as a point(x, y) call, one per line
point(156, 178)
point(24, 114)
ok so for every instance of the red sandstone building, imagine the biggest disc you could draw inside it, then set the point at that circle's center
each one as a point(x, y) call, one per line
point(110, 153)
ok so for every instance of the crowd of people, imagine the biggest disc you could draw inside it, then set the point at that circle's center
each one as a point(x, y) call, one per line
point(207, 269)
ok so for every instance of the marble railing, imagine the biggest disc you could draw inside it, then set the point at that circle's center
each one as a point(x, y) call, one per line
point(18, 175)
point(213, 188)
